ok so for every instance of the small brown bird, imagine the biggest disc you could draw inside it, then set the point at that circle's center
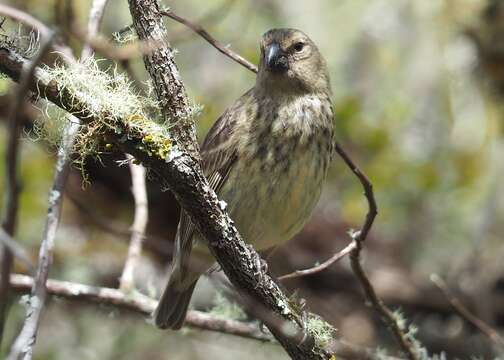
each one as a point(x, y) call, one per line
point(266, 157)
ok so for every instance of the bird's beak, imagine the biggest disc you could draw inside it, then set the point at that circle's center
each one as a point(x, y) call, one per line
point(275, 58)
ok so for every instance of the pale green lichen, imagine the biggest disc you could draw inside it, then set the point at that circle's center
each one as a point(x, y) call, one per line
point(227, 309)
point(113, 106)
point(322, 331)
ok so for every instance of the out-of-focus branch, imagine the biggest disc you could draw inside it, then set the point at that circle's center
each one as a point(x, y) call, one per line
point(210, 39)
point(16, 249)
point(139, 191)
point(138, 303)
point(144, 305)
point(11, 171)
point(94, 21)
point(23, 345)
point(466, 314)
point(321, 267)
point(214, 15)
point(43, 29)
point(158, 244)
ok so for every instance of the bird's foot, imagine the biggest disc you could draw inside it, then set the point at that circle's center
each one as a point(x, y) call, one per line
point(262, 269)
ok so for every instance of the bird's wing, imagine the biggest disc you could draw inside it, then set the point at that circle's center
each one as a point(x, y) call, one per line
point(219, 155)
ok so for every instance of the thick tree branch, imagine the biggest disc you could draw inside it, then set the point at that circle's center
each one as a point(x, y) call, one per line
point(160, 63)
point(182, 173)
point(240, 262)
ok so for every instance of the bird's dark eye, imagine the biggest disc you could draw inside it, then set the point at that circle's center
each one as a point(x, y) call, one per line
point(299, 46)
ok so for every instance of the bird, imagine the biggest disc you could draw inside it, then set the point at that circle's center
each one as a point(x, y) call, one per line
point(266, 157)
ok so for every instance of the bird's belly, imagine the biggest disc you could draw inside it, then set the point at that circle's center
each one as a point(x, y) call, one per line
point(270, 204)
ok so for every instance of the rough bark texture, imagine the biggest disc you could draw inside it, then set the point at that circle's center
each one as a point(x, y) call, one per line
point(182, 173)
point(160, 63)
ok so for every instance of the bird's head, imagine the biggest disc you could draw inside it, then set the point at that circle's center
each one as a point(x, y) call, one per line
point(291, 62)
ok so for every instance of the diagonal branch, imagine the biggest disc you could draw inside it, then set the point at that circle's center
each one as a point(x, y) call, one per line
point(466, 314)
point(321, 267)
point(211, 40)
point(182, 173)
point(240, 262)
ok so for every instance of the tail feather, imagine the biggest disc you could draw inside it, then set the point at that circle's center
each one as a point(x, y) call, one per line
point(172, 307)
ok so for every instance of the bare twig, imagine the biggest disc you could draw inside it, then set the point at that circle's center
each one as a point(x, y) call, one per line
point(368, 193)
point(138, 303)
point(12, 181)
point(139, 190)
point(43, 29)
point(466, 314)
point(217, 14)
point(210, 39)
point(358, 238)
point(321, 267)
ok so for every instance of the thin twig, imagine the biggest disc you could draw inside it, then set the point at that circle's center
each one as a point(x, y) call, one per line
point(139, 191)
point(358, 238)
point(386, 315)
point(368, 193)
point(138, 303)
point(215, 43)
point(321, 267)
point(466, 314)
point(12, 180)
point(217, 14)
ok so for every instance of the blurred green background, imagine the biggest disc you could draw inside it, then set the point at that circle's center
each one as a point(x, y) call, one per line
point(417, 94)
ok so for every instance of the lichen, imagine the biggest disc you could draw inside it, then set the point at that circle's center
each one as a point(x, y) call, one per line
point(113, 106)
point(322, 331)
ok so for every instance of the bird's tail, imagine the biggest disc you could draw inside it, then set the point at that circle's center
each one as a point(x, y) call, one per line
point(172, 307)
